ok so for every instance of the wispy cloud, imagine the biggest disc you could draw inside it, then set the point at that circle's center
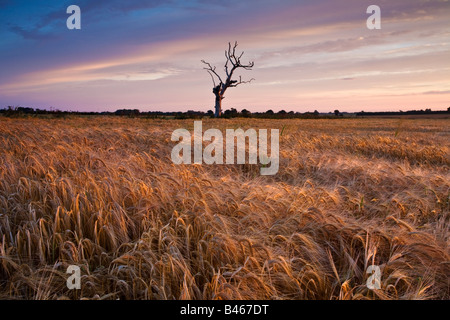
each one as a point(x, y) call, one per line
point(438, 92)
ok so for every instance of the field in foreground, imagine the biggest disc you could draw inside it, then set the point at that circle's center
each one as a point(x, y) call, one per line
point(103, 194)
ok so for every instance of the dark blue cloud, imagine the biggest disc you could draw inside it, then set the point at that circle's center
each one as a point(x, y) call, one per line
point(33, 34)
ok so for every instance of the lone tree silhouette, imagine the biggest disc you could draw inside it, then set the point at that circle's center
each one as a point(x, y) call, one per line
point(231, 65)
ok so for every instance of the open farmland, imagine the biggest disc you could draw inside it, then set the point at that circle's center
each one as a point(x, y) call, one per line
point(102, 193)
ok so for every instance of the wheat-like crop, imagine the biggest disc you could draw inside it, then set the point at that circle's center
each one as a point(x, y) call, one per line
point(102, 193)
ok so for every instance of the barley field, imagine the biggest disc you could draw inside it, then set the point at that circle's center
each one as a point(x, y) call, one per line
point(102, 193)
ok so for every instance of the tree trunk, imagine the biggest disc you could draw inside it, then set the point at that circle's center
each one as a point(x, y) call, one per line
point(218, 106)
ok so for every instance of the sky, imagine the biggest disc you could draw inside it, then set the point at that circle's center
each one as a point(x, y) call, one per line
point(308, 54)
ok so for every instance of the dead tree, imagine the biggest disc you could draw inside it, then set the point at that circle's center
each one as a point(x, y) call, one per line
point(232, 63)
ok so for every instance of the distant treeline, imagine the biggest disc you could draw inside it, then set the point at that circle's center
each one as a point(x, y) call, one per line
point(402, 113)
point(191, 114)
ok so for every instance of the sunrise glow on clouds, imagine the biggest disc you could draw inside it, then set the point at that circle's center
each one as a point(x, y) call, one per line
point(146, 54)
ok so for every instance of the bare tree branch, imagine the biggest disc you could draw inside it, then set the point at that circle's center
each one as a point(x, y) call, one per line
point(212, 78)
point(212, 69)
point(236, 83)
point(235, 61)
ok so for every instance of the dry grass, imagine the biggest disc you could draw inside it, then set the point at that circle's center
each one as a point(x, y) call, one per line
point(103, 194)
